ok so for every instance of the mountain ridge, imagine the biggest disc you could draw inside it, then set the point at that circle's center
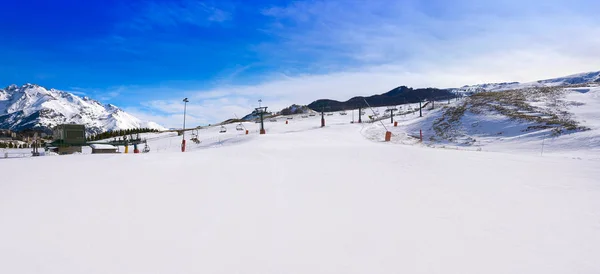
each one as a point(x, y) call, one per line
point(397, 96)
point(573, 79)
point(32, 106)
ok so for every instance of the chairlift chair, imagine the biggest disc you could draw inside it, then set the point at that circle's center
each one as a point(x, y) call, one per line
point(146, 147)
point(223, 129)
point(343, 113)
point(195, 137)
point(239, 127)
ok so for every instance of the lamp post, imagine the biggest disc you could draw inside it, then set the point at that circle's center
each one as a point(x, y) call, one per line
point(185, 101)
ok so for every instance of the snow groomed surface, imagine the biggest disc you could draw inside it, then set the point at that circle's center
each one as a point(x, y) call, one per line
point(300, 199)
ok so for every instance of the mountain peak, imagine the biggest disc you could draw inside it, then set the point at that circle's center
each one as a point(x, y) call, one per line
point(11, 87)
point(33, 106)
point(30, 85)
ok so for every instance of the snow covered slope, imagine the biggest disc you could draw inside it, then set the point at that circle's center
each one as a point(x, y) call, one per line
point(300, 199)
point(32, 106)
point(575, 79)
point(552, 121)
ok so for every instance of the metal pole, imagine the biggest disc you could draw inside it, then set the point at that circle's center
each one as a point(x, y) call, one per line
point(322, 116)
point(359, 115)
point(185, 101)
point(420, 109)
point(184, 111)
point(262, 121)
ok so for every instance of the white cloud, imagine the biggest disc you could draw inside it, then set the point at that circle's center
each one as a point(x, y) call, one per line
point(364, 49)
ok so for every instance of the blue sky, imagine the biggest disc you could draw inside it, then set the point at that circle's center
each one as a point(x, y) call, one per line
point(145, 56)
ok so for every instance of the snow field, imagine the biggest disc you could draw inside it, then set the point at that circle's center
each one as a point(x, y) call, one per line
point(300, 199)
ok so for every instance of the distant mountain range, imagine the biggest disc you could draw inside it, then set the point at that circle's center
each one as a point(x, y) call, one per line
point(34, 107)
point(575, 79)
point(403, 94)
point(397, 96)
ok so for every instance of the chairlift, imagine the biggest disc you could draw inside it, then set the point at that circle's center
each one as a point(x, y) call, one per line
point(304, 116)
point(223, 129)
point(273, 120)
point(312, 114)
point(343, 113)
point(146, 147)
point(239, 127)
point(329, 114)
point(195, 137)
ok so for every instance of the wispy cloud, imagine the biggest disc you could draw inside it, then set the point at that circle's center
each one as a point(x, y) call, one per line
point(151, 14)
point(411, 32)
point(328, 49)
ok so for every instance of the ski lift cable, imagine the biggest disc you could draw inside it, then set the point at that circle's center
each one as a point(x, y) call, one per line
point(380, 121)
point(236, 117)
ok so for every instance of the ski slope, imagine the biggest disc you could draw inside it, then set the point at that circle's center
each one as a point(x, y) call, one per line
point(300, 199)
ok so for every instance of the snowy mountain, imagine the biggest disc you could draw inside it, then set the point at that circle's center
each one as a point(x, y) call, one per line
point(35, 107)
point(575, 79)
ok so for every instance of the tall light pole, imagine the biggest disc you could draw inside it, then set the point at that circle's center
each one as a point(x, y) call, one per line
point(185, 101)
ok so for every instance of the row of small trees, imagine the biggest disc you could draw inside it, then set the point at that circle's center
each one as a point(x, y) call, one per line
point(121, 132)
point(11, 145)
